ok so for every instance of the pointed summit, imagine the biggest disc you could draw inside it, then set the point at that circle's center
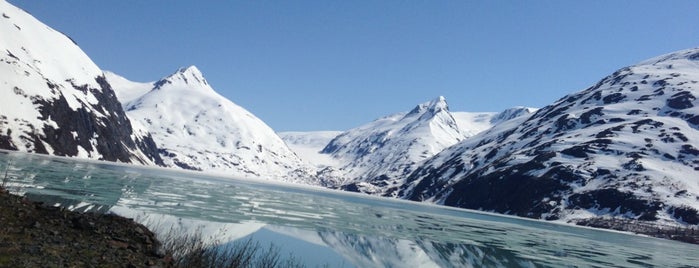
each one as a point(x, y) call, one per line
point(189, 71)
point(184, 76)
point(378, 155)
point(432, 107)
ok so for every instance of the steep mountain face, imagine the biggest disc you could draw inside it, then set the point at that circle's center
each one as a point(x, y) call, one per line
point(55, 100)
point(625, 147)
point(196, 128)
point(376, 155)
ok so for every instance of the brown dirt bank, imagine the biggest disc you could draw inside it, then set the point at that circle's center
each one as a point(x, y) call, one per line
point(34, 235)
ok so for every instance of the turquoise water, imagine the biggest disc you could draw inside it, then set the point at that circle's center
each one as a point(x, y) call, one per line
point(336, 228)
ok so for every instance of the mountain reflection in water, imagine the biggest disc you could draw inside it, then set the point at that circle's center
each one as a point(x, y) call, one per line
point(329, 227)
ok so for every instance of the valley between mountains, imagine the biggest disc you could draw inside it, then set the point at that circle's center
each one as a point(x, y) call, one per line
point(627, 147)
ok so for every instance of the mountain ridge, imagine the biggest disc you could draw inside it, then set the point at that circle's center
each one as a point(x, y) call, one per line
point(375, 157)
point(621, 148)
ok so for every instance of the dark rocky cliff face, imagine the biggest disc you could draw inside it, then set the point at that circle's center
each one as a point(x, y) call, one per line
point(101, 128)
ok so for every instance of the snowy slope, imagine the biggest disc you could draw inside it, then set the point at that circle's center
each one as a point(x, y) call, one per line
point(308, 145)
point(472, 123)
point(55, 100)
point(626, 147)
point(196, 128)
point(376, 155)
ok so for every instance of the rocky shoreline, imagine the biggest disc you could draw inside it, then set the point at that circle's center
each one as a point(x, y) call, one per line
point(678, 233)
point(35, 235)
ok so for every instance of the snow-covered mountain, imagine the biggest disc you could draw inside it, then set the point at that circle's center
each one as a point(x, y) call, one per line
point(371, 158)
point(196, 128)
point(55, 100)
point(626, 146)
point(376, 157)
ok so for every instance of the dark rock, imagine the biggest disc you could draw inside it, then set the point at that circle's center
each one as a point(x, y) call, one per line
point(660, 83)
point(689, 149)
point(507, 191)
point(183, 165)
point(586, 117)
point(613, 98)
point(352, 187)
point(686, 214)
point(614, 199)
point(694, 56)
point(634, 112)
point(682, 100)
point(580, 151)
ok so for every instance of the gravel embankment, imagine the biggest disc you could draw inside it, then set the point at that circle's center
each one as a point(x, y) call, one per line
point(34, 235)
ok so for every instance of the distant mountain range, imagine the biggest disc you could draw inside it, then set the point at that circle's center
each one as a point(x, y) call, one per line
point(625, 147)
point(377, 157)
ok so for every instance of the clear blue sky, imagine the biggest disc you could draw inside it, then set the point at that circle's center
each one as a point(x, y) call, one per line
point(334, 65)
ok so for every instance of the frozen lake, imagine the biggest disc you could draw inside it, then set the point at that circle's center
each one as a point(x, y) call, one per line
point(335, 228)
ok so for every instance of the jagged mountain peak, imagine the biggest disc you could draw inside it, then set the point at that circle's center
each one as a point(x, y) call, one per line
point(189, 77)
point(389, 147)
point(431, 107)
point(192, 69)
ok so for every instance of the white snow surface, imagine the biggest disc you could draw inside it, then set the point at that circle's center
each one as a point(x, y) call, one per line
point(472, 123)
point(308, 145)
point(125, 89)
point(197, 128)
